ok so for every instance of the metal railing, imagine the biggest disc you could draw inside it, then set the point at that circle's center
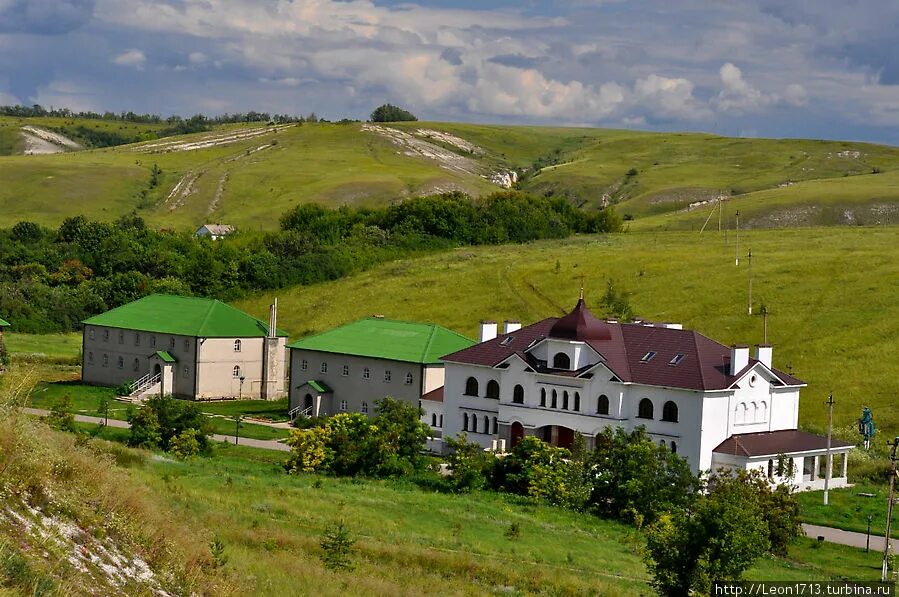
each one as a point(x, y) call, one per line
point(295, 412)
point(144, 383)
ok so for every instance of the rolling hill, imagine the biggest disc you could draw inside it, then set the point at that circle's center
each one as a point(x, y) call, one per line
point(247, 175)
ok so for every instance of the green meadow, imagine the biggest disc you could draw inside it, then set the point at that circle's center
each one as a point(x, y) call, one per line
point(651, 177)
point(831, 295)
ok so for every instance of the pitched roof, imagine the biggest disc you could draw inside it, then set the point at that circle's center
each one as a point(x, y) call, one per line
point(772, 443)
point(164, 355)
point(435, 395)
point(318, 386)
point(217, 229)
point(705, 364)
point(375, 337)
point(4, 324)
point(184, 316)
point(581, 325)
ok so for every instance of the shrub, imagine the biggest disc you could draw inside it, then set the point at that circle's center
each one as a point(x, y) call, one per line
point(391, 113)
point(61, 416)
point(337, 547)
point(470, 465)
point(308, 450)
point(185, 444)
point(162, 419)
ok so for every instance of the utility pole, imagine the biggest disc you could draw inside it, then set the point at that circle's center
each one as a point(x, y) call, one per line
point(828, 459)
point(738, 237)
point(750, 281)
point(886, 538)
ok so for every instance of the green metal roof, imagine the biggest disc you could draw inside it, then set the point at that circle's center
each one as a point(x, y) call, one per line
point(318, 386)
point(374, 337)
point(4, 324)
point(184, 316)
point(165, 356)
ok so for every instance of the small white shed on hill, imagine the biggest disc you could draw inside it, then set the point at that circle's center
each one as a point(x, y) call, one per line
point(215, 231)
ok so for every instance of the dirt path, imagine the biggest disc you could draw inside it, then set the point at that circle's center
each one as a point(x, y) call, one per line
point(40, 141)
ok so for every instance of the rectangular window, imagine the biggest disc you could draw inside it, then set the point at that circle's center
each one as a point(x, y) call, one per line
point(186, 345)
point(136, 339)
point(121, 337)
point(324, 367)
point(387, 376)
point(648, 356)
point(90, 333)
point(343, 405)
point(106, 335)
point(408, 379)
point(106, 360)
point(304, 364)
point(153, 341)
point(366, 373)
point(186, 372)
point(677, 359)
point(172, 343)
point(346, 370)
point(90, 358)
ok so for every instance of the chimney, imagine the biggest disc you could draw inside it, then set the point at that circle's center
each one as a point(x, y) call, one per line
point(511, 325)
point(488, 330)
point(273, 320)
point(739, 358)
point(764, 353)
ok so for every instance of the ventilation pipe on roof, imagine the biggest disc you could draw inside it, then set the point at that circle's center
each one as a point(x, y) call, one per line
point(511, 325)
point(488, 330)
point(764, 353)
point(739, 358)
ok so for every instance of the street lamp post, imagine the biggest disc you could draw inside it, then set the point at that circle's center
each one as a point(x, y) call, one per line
point(868, 536)
point(240, 395)
point(237, 419)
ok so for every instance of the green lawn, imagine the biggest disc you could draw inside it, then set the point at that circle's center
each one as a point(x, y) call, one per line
point(849, 511)
point(86, 401)
point(55, 347)
point(272, 410)
point(410, 541)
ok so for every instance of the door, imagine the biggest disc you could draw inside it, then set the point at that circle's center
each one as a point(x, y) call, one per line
point(517, 433)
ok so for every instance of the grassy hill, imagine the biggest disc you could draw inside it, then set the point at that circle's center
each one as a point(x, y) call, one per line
point(248, 175)
point(831, 294)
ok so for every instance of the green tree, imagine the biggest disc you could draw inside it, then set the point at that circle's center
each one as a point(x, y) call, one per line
point(61, 416)
point(470, 465)
point(185, 444)
point(616, 303)
point(308, 450)
point(391, 113)
point(145, 431)
point(716, 539)
point(399, 424)
point(337, 547)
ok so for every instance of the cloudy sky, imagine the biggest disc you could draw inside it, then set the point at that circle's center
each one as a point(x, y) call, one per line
point(809, 68)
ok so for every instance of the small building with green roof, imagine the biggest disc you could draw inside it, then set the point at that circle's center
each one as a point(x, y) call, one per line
point(350, 367)
point(189, 347)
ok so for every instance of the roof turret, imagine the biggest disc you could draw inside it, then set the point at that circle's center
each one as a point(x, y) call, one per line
point(580, 325)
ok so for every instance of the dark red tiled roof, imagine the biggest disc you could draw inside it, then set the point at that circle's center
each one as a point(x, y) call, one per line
point(581, 325)
point(772, 443)
point(705, 364)
point(434, 395)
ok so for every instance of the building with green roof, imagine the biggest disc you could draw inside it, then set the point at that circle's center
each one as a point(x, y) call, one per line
point(350, 367)
point(185, 346)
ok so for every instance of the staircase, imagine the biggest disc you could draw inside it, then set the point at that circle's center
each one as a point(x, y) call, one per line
point(299, 411)
point(147, 385)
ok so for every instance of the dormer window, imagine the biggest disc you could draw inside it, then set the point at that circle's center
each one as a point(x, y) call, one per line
point(648, 356)
point(677, 359)
point(561, 361)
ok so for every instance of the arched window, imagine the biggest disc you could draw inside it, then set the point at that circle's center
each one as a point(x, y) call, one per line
point(518, 395)
point(602, 405)
point(669, 412)
point(365, 408)
point(577, 401)
point(555, 402)
point(471, 387)
point(763, 411)
point(304, 364)
point(561, 361)
point(673, 448)
point(486, 424)
point(236, 371)
point(366, 373)
point(644, 410)
point(474, 423)
point(441, 421)
point(495, 426)
point(543, 397)
point(136, 364)
point(408, 379)
point(565, 400)
point(754, 411)
point(90, 358)
point(121, 362)
point(105, 360)
point(465, 422)
point(492, 389)
point(433, 419)
point(324, 367)
point(237, 346)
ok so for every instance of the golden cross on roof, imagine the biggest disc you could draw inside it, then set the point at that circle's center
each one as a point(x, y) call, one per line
point(582, 286)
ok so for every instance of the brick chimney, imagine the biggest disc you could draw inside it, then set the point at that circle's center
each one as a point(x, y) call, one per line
point(488, 330)
point(739, 358)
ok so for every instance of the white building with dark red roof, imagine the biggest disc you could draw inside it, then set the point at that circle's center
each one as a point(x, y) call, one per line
point(712, 404)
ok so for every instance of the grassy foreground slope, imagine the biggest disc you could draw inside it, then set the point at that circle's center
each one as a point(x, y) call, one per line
point(831, 294)
point(249, 181)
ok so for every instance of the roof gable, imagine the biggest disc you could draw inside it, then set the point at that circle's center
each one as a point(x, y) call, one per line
point(374, 337)
point(183, 316)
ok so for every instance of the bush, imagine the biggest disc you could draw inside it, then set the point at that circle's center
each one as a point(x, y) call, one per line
point(163, 419)
point(61, 417)
point(185, 444)
point(337, 547)
point(391, 113)
point(470, 465)
point(307, 453)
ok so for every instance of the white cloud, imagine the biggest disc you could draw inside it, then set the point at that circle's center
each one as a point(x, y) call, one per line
point(737, 95)
point(197, 58)
point(132, 57)
point(668, 98)
point(795, 95)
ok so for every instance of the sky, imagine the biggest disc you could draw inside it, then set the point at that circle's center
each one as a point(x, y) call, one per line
point(771, 68)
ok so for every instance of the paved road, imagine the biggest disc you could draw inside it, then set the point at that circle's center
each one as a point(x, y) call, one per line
point(832, 535)
point(265, 444)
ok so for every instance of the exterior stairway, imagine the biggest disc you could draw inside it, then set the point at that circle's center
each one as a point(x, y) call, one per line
point(148, 385)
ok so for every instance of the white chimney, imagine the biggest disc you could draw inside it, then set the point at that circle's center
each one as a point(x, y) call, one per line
point(511, 325)
point(493, 446)
point(502, 446)
point(488, 330)
point(764, 353)
point(673, 326)
point(739, 358)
